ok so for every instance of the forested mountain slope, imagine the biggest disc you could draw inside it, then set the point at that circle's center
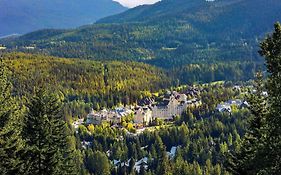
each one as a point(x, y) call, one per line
point(227, 18)
point(170, 33)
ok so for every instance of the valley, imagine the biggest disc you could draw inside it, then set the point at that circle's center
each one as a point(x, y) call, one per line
point(178, 87)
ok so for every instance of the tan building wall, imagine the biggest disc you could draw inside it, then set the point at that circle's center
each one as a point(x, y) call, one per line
point(143, 116)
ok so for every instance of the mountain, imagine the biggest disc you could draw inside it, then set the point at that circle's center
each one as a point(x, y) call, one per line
point(230, 17)
point(168, 34)
point(22, 16)
point(161, 10)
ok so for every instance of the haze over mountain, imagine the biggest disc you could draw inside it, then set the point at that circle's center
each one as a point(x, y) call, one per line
point(22, 16)
point(134, 3)
point(167, 34)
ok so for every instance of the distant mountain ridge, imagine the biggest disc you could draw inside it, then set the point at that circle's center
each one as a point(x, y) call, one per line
point(165, 9)
point(157, 11)
point(22, 16)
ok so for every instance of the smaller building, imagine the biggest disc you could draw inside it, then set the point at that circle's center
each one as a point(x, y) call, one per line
point(112, 116)
point(264, 93)
point(226, 106)
point(236, 102)
point(2, 48)
point(94, 118)
point(29, 47)
point(237, 88)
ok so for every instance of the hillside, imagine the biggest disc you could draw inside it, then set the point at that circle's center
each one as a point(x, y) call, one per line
point(92, 81)
point(22, 16)
point(165, 36)
point(230, 18)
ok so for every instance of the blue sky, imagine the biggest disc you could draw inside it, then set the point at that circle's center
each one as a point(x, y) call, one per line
point(134, 3)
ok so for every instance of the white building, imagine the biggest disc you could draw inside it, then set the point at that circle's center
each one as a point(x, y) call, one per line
point(226, 106)
point(29, 47)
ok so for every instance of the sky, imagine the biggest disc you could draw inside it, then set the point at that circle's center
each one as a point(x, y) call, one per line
point(134, 3)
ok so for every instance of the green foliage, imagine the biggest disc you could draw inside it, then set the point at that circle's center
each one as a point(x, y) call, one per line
point(260, 151)
point(11, 144)
point(201, 135)
point(85, 84)
point(271, 50)
point(98, 163)
point(246, 160)
point(45, 134)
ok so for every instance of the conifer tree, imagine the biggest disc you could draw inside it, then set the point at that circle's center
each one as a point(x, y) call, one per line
point(246, 159)
point(98, 163)
point(261, 148)
point(11, 144)
point(45, 134)
point(271, 50)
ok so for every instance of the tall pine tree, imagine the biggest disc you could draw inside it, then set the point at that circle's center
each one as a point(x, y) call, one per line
point(46, 135)
point(11, 144)
point(271, 50)
point(261, 149)
point(247, 158)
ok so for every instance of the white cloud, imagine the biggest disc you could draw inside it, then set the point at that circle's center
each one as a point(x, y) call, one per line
point(134, 3)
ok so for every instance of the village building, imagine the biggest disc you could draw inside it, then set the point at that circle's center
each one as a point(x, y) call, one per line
point(237, 88)
point(226, 106)
point(29, 47)
point(173, 104)
point(112, 116)
point(2, 48)
point(193, 92)
point(95, 118)
point(143, 115)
